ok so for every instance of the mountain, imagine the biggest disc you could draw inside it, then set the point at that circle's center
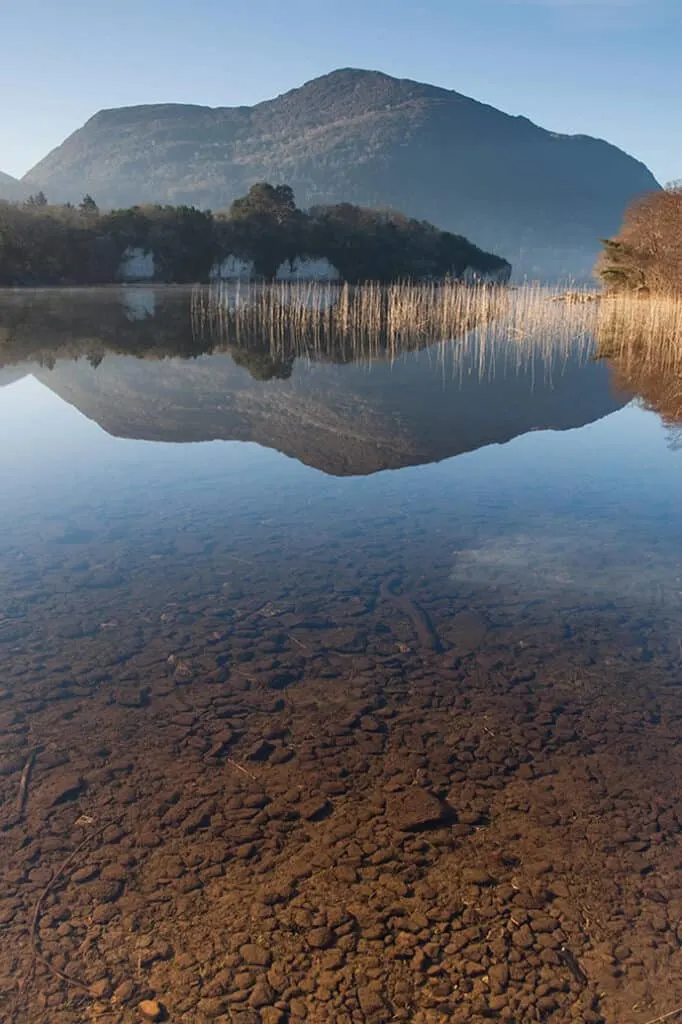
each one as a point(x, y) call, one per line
point(540, 199)
point(11, 189)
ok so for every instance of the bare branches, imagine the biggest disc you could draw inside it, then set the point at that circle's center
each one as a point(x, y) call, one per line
point(647, 252)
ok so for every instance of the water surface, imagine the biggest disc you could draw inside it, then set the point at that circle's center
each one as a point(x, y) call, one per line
point(256, 606)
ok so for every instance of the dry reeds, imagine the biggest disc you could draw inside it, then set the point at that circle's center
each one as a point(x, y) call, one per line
point(651, 325)
point(370, 318)
point(642, 341)
point(344, 323)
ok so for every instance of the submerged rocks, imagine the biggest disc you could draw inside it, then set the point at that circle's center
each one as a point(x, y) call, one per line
point(417, 810)
point(261, 995)
point(255, 955)
point(61, 787)
point(304, 845)
point(151, 1009)
point(476, 876)
point(498, 978)
point(315, 809)
point(320, 938)
point(260, 751)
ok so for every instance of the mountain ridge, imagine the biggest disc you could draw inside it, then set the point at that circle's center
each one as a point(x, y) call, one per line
point(535, 196)
point(11, 188)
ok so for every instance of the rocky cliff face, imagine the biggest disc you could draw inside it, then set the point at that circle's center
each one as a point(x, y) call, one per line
point(540, 199)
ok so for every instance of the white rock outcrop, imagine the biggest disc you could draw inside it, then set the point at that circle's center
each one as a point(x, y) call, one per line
point(303, 268)
point(137, 265)
point(233, 268)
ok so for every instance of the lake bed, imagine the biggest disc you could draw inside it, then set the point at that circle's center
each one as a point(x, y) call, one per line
point(357, 678)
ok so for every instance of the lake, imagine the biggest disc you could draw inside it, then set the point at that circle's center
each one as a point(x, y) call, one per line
point(337, 684)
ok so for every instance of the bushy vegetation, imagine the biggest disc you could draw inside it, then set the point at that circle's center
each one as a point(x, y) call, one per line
point(367, 244)
point(646, 255)
point(42, 244)
point(64, 245)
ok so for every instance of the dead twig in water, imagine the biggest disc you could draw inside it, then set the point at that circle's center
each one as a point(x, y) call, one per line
point(23, 784)
point(240, 768)
point(41, 900)
point(666, 1016)
point(236, 558)
point(295, 641)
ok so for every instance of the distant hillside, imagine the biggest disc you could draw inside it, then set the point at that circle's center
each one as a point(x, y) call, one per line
point(540, 199)
point(11, 189)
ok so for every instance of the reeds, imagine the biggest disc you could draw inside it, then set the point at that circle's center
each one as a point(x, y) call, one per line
point(369, 319)
point(642, 341)
point(648, 327)
point(341, 322)
point(467, 327)
point(482, 330)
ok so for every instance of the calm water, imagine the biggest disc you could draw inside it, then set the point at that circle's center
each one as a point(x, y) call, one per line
point(504, 522)
point(477, 480)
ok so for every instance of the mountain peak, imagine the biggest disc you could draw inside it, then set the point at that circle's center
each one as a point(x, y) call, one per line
point(541, 199)
point(360, 87)
point(367, 77)
point(351, 74)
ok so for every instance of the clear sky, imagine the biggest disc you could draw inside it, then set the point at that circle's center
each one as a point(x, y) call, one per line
point(611, 68)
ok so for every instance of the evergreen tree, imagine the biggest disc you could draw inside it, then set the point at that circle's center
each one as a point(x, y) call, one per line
point(88, 206)
point(39, 199)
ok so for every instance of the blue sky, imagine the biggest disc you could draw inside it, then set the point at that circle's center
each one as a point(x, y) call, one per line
point(611, 68)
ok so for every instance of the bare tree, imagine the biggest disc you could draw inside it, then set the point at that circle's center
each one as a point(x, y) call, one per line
point(647, 252)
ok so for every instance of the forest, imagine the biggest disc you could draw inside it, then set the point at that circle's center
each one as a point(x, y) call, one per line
point(646, 255)
point(43, 244)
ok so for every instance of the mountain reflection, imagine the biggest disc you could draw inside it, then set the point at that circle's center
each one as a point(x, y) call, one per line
point(142, 364)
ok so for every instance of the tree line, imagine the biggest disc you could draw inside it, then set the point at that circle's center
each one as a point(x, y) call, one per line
point(44, 244)
point(646, 255)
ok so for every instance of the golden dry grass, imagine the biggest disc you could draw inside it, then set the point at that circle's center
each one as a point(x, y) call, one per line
point(649, 327)
point(373, 320)
point(642, 341)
